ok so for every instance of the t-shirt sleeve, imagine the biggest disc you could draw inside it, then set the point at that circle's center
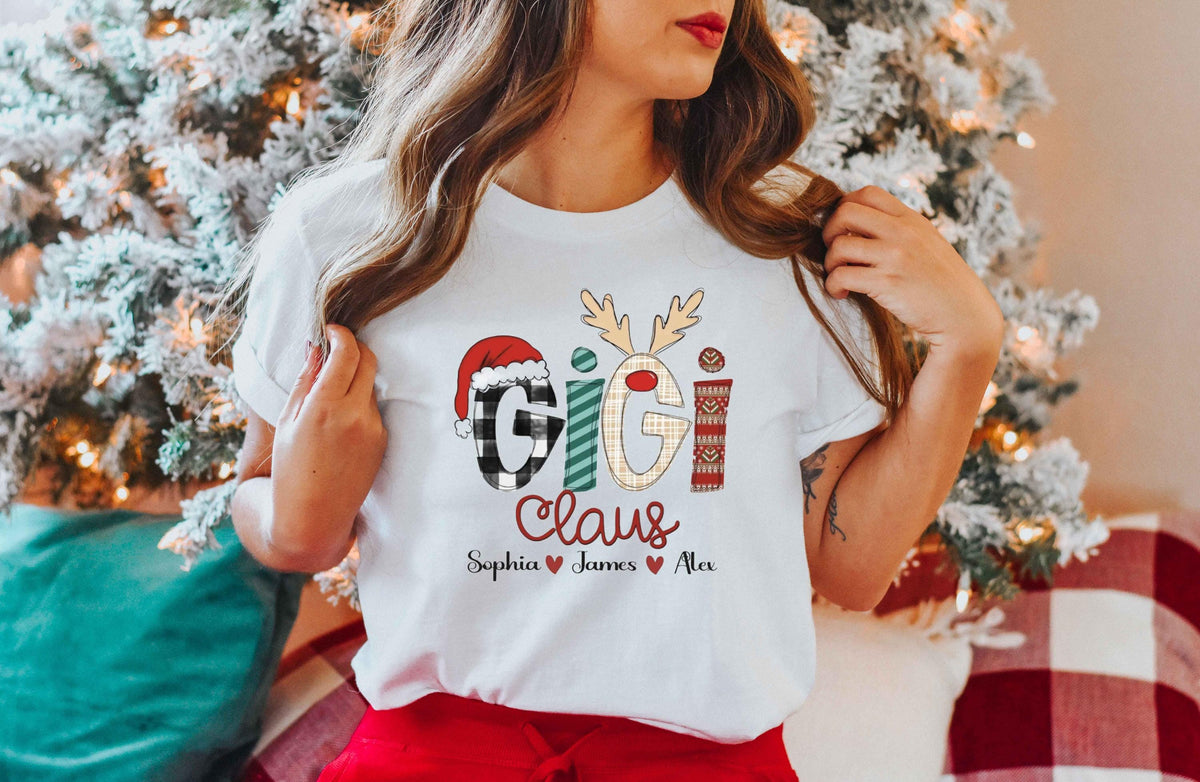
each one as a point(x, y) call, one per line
point(268, 354)
point(842, 408)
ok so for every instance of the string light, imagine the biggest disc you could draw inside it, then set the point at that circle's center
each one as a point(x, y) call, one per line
point(1025, 140)
point(792, 43)
point(1011, 441)
point(965, 120)
point(165, 26)
point(157, 177)
point(1032, 350)
point(293, 104)
point(1026, 531)
point(962, 27)
point(8, 176)
point(189, 328)
point(103, 372)
point(989, 397)
point(225, 470)
point(121, 494)
point(962, 597)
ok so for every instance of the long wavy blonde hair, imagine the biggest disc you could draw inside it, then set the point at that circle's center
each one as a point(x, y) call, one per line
point(461, 85)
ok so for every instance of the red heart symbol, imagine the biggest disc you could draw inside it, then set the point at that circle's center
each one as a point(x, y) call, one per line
point(554, 563)
point(654, 563)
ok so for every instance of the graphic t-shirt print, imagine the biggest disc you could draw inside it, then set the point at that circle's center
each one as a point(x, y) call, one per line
point(595, 410)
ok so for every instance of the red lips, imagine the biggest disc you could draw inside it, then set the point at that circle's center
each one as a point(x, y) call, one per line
point(710, 19)
point(708, 28)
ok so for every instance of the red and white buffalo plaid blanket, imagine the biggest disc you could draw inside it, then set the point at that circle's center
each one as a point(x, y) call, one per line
point(1106, 687)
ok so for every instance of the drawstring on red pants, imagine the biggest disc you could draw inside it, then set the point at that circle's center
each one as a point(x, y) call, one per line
point(552, 762)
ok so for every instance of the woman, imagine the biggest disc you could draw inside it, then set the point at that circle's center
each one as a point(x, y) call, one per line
point(571, 229)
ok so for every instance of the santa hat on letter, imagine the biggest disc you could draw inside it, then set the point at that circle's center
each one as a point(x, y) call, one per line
point(492, 362)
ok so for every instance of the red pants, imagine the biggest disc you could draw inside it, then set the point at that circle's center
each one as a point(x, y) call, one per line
point(448, 738)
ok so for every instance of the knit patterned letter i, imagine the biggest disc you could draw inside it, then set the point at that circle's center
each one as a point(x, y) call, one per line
point(712, 405)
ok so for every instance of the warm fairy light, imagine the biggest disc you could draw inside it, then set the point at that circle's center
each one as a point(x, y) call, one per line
point(965, 120)
point(1025, 140)
point(989, 397)
point(187, 327)
point(962, 27)
point(1021, 454)
point(963, 596)
point(200, 80)
point(792, 43)
point(87, 459)
point(124, 199)
point(293, 104)
point(360, 28)
point(83, 446)
point(163, 28)
point(122, 493)
point(225, 470)
point(1007, 439)
point(103, 372)
point(962, 19)
point(1029, 530)
point(65, 192)
point(8, 176)
point(1032, 349)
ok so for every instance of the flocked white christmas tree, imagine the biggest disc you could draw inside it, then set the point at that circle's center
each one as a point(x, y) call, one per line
point(141, 143)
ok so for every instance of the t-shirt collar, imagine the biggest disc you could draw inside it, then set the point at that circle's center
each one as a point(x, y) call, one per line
point(501, 206)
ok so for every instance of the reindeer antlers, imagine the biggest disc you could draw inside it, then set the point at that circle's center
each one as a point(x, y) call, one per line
point(678, 318)
point(605, 318)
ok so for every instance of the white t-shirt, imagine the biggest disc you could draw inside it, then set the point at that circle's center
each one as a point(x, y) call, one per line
point(577, 512)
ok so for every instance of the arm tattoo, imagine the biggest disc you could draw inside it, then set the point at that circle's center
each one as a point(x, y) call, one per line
point(811, 468)
point(833, 514)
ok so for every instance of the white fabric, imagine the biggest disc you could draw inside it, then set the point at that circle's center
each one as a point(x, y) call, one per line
point(883, 700)
point(724, 654)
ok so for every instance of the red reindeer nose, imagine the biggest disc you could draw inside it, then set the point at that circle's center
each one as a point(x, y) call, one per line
point(641, 380)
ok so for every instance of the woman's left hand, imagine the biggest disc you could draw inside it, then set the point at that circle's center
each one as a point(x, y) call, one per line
point(896, 256)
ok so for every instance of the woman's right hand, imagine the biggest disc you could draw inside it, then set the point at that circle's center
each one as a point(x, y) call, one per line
point(328, 445)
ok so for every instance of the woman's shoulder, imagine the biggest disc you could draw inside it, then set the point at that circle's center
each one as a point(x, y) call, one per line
point(338, 193)
point(335, 206)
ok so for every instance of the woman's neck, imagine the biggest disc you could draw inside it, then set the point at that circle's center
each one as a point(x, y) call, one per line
point(598, 153)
